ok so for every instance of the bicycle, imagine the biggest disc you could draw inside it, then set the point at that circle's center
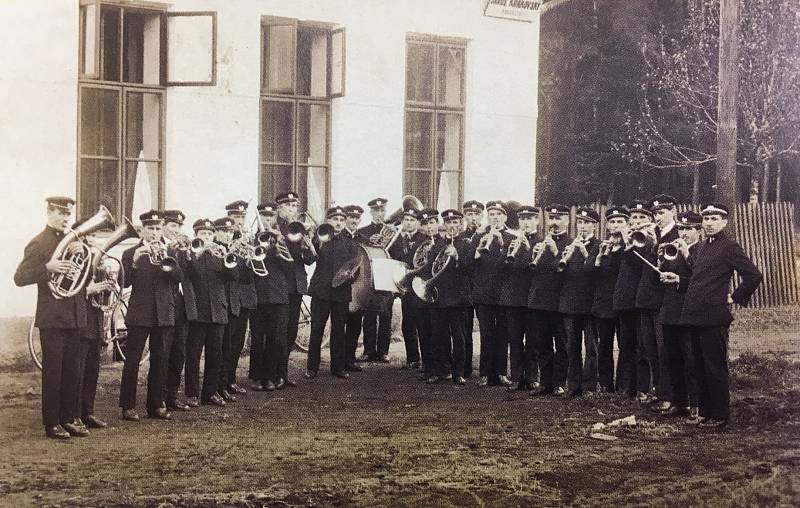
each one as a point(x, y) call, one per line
point(304, 329)
point(114, 329)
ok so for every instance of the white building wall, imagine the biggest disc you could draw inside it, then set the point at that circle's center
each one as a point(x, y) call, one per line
point(212, 133)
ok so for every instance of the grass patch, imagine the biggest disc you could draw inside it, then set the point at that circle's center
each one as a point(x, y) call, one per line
point(782, 318)
point(768, 372)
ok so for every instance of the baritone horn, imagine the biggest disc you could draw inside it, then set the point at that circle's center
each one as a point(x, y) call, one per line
point(67, 285)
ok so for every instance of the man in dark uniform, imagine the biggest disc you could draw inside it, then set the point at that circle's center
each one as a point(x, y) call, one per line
point(429, 223)
point(488, 274)
point(185, 310)
point(353, 215)
point(267, 217)
point(329, 300)
point(151, 314)
point(377, 325)
point(517, 285)
point(209, 277)
point(575, 304)
point(288, 211)
point(706, 308)
point(473, 220)
point(58, 322)
point(678, 339)
point(224, 229)
point(451, 301)
point(403, 250)
point(544, 299)
point(605, 270)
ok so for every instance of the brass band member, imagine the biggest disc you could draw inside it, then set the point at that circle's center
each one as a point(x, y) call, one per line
point(150, 272)
point(403, 250)
point(605, 268)
point(677, 257)
point(268, 219)
point(248, 299)
point(288, 212)
point(429, 223)
point(58, 321)
point(185, 309)
point(706, 309)
point(451, 302)
point(517, 285)
point(490, 257)
point(328, 300)
point(544, 300)
point(377, 325)
point(473, 220)
point(352, 219)
point(575, 304)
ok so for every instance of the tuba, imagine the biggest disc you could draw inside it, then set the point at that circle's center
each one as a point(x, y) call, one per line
point(426, 289)
point(105, 263)
point(67, 285)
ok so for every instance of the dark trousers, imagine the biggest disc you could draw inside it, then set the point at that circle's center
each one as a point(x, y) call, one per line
point(552, 348)
point(91, 348)
point(628, 352)
point(270, 324)
point(377, 333)
point(176, 358)
point(682, 369)
point(516, 321)
point(470, 326)
point(352, 330)
point(531, 349)
point(137, 336)
point(320, 311)
point(257, 319)
point(409, 329)
point(448, 341)
point(295, 303)
point(581, 339)
point(202, 336)
point(494, 342)
point(605, 330)
point(652, 370)
point(232, 344)
point(712, 370)
point(61, 372)
point(424, 331)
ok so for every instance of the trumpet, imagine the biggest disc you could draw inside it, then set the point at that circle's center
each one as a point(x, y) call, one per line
point(159, 256)
point(639, 238)
point(538, 249)
point(568, 252)
point(515, 246)
point(229, 259)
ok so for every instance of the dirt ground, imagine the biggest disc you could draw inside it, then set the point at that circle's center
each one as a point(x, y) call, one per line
point(385, 438)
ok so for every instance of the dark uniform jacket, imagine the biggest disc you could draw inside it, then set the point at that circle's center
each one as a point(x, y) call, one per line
point(517, 279)
point(577, 291)
point(330, 256)
point(546, 281)
point(605, 280)
point(50, 313)
point(233, 290)
point(183, 292)
point(672, 304)
point(453, 284)
point(151, 302)
point(365, 233)
point(403, 248)
point(650, 292)
point(489, 270)
point(209, 279)
point(630, 272)
point(247, 288)
point(298, 280)
point(705, 303)
point(274, 288)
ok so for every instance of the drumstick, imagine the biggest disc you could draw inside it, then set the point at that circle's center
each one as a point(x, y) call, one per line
point(648, 263)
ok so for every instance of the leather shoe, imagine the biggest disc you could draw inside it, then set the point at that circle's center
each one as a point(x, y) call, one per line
point(366, 358)
point(56, 432)
point(130, 414)
point(177, 405)
point(214, 400)
point(160, 414)
point(382, 359)
point(289, 383)
point(559, 391)
point(504, 381)
point(434, 379)
point(542, 390)
point(515, 387)
point(460, 381)
point(94, 422)
point(484, 381)
point(256, 386)
point(269, 386)
point(235, 388)
point(662, 406)
point(353, 367)
point(75, 430)
point(193, 402)
point(310, 374)
point(711, 424)
point(342, 375)
point(281, 384)
point(676, 411)
point(227, 396)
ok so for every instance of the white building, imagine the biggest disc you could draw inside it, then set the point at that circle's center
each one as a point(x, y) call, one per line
point(195, 103)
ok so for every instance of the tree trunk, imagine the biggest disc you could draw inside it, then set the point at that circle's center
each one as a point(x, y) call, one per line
point(778, 175)
point(765, 182)
point(695, 184)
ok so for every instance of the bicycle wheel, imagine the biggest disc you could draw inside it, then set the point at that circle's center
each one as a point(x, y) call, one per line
point(117, 330)
point(304, 329)
point(35, 345)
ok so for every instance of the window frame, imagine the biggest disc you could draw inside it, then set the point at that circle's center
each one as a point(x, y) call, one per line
point(436, 109)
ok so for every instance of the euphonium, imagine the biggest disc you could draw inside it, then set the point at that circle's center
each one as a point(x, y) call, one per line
point(67, 285)
point(105, 300)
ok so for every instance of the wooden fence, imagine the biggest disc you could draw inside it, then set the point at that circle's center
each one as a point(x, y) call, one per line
point(765, 232)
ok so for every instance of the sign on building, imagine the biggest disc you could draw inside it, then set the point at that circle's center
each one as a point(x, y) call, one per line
point(518, 10)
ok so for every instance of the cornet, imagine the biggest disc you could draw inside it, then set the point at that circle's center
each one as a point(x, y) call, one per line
point(229, 259)
point(159, 256)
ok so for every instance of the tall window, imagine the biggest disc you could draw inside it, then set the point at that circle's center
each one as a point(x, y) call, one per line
point(302, 70)
point(434, 120)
